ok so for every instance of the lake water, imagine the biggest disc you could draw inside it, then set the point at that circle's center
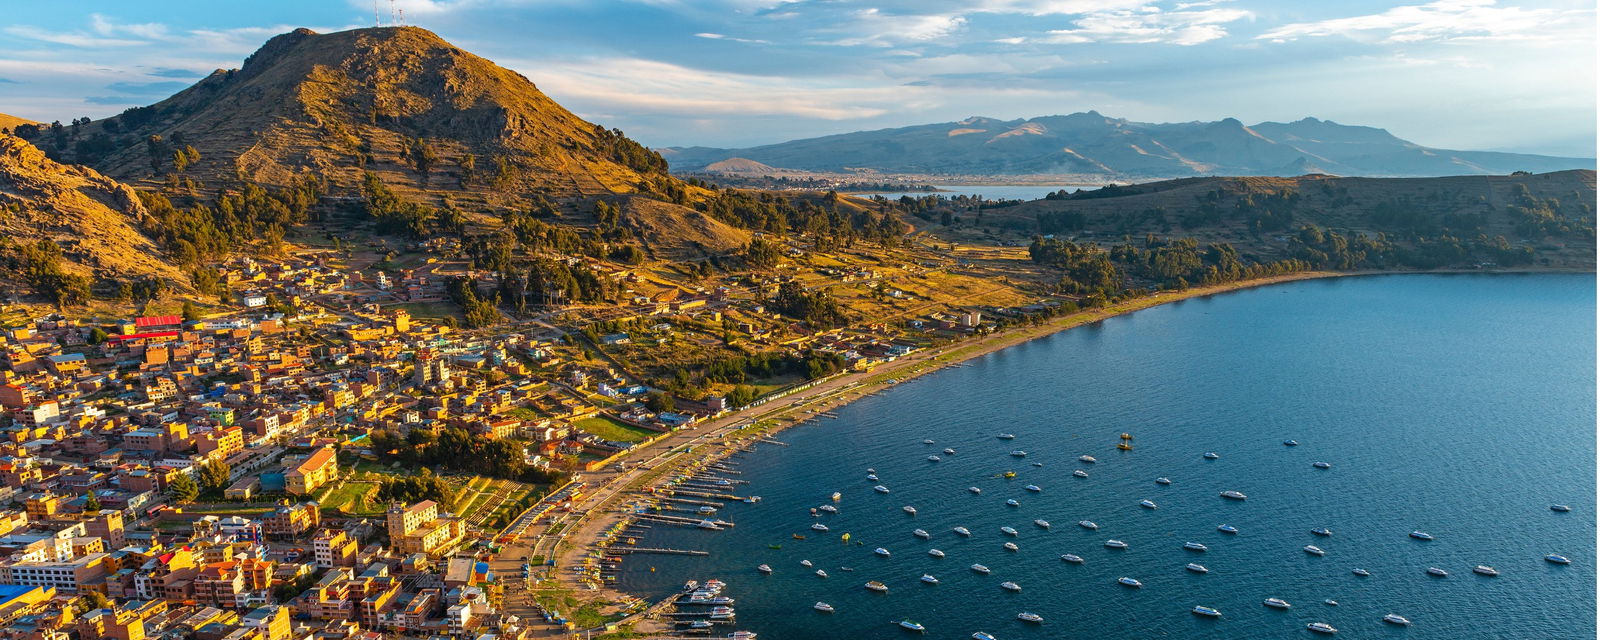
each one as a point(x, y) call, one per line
point(990, 191)
point(1463, 406)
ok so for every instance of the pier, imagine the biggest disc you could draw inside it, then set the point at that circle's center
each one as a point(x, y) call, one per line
point(670, 552)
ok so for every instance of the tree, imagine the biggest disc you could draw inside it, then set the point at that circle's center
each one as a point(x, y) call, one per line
point(97, 335)
point(184, 489)
point(214, 475)
point(91, 503)
point(660, 401)
point(190, 312)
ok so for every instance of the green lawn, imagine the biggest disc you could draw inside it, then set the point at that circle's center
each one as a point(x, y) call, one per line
point(351, 498)
point(613, 430)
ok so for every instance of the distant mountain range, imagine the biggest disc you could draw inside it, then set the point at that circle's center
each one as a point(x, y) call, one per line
point(1092, 144)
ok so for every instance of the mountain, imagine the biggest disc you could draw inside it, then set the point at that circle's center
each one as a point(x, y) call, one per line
point(93, 219)
point(1092, 144)
point(9, 122)
point(398, 101)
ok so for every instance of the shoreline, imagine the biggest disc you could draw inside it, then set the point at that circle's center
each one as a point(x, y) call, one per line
point(738, 431)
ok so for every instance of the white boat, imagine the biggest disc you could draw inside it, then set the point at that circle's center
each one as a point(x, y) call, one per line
point(1008, 531)
point(1013, 503)
point(823, 607)
point(979, 635)
point(828, 508)
point(1034, 488)
point(949, 452)
point(1560, 507)
point(708, 524)
point(1005, 436)
point(818, 526)
point(1558, 559)
point(1361, 572)
point(1421, 535)
point(1290, 443)
point(1030, 617)
point(1227, 528)
point(1395, 619)
point(980, 569)
point(871, 470)
point(1234, 495)
point(1321, 627)
point(1010, 586)
point(835, 496)
point(927, 442)
point(821, 573)
point(1147, 504)
point(873, 477)
point(1485, 570)
point(920, 534)
point(933, 458)
point(881, 489)
point(805, 563)
point(962, 531)
point(1080, 473)
point(1207, 612)
point(1038, 464)
point(1437, 572)
point(881, 551)
point(1331, 602)
point(1073, 558)
point(1042, 524)
point(1087, 524)
point(1197, 568)
point(909, 509)
point(1019, 453)
point(1116, 544)
point(1194, 546)
point(975, 490)
point(877, 586)
point(928, 579)
point(1276, 603)
point(1210, 456)
point(1322, 532)
point(1163, 480)
point(1314, 550)
point(912, 626)
point(1010, 546)
point(1129, 582)
point(1321, 465)
point(1087, 458)
point(764, 568)
point(936, 553)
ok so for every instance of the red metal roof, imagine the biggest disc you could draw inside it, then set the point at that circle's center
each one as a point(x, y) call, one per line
point(157, 321)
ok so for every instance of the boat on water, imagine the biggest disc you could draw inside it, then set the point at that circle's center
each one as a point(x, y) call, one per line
point(1324, 531)
point(1033, 487)
point(1116, 544)
point(872, 477)
point(1163, 480)
point(1042, 523)
point(949, 452)
point(1147, 504)
point(881, 489)
point(764, 568)
point(1010, 546)
point(881, 551)
point(877, 586)
point(1421, 535)
point(1008, 531)
point(835, 496)
point(1331, 602)
point(1395, 619)
point(934, 458)
point(979, 635)
point(1557, 559)
point(871, 470)
point(1290, 443)
point(1437, 572)
point(1234, 495)
point(912, 626)
point(1227, 528)
point(1019, 454)
point(1010, 586)
point(706, 510)
point(847, 568)
point(1321, 465)
point(1361, 572)
point(1013, 503)
point(1276, 603)
point(1210, 455)
point(929, 579)
point(797, 536)
point(1314, 550)
point(828, 508)
point(1197, 568)
point(1194, 546)
point(1038, 464)
point(927, 442)
point(975, 490)
point(1321, 627)
point(1087, 458)
point(805, 563)
point(821, 573)
point(920, 534)
point(708, 524)
point(1485, 570)
point(936, 553)
point(1080, 473)
point(823, 607)
point(1030, 617)
point(980, 569)
point(1006, 436)
point(1009, 474)
point(909, 509)
point(1073, 558)
point(1088, 524)
point(1560, 507)
point(1207, 612)
point(962, 531)
point(818, 526)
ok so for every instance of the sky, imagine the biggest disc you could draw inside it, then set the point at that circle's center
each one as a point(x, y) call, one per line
point(1502, 75)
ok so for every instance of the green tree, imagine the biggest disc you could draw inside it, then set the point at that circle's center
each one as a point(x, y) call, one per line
point(183, 489)
point(190, 312)
point(97, 335)
point(660, 401)
point(91, 503)
point(214, 475)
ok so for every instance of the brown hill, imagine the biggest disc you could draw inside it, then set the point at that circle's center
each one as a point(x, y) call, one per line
point(92, 218)
point(9, 122)
point(398, 101)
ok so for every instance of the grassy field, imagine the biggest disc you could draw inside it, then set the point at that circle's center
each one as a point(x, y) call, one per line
point(353, 498)
point(613, 430)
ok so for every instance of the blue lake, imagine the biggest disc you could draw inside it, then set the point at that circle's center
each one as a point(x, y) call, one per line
point(1460, 405)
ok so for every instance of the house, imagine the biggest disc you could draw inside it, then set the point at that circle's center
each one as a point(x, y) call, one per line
point(314, 471)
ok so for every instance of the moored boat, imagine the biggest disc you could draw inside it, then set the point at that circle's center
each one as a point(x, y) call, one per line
point(1197, 568)
point(823, 607)
point(1080, 473)
point(1276, 603)
point(821, 573)
point(1560, 507)
point(877, 586)
point(1314, 550)
point(1116, 544)
point(1194, 546)
point(1163, 480)
point(1033, 487)
point(1290, 443)
point(934, 458)
point(1234, 495)
point(949, 452)
point(980, 569)
point(881, 489)
point(1019, 454)
point(1005, 436)
point(1147, 504)
point(1396, 619)
point(1008, 531)
point(1421, 535)
point(805, 563)
point(962, 531)
point(818, 526)
point(1321, 627)
point(974, 490)
point(881, 551)
point(1087, 458)
point(1042, 523)
point(1321, 465)
point(1207, 612)
point(1010, 546)
point(1361, 572)
point(1030, 617)
point(1073, 558)
point(909, 509)
point(912, 626)
point(979, 635)
point(1227, 528)
point(1485, 570)
point(1010, 586)
point(1088, 524)
point(1013, 503)
point(1210, 455)
point(1437, 572)
point(764, 568)
point(1557, 559)
point(936, 553)
point(921, 534)
point(1129, 582)
point(929, 579)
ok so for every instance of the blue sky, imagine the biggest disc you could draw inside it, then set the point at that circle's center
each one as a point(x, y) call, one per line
point(1466, 74)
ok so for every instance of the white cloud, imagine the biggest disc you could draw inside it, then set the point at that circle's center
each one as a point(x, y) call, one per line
point(873, 28)
point(1053, 7)
point(1149, 24)
point(1446, 20)
point(719, 36)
